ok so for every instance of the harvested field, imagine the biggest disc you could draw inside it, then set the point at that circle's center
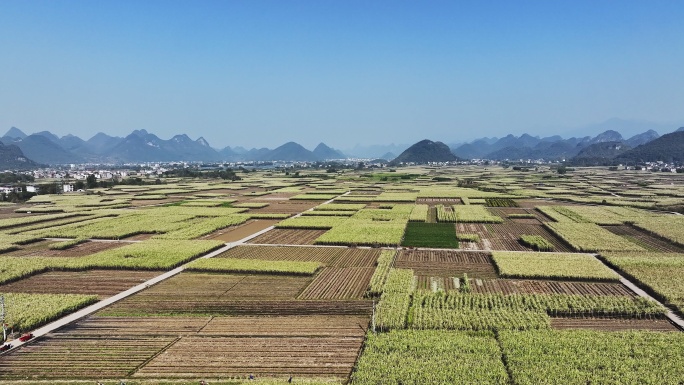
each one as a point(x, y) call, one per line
point(447, 263)
point(95, 326)
point(284, 206)
point(72, 356)
point(339, 283)
point(331, 256)
point(287, 326)
point(202, 357)
point(504, 212)
point(644, 239)
point(235, 233)
point(231, 307)
point(228, 294)
point(99, 282)
point(506, 236)
point(514, 286)
point(613, 324)
point(288, 237)
point(41, 249)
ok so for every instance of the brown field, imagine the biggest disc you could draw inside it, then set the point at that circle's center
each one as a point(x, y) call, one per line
point(40, 249)
point(504, 236)
point(202, 357)
point(192, 347)
point(614, 324)
point(229, 294)
point(339, 283)
point(447, 263)
point(331, 256)
point(288, 237)
point(72, 356)
point(99, 282)
point(235, 233)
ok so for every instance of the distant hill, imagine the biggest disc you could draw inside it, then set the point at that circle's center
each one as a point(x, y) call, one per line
point(425, 151)
point(642, 138)
point(14, 134)
point(323, 152)
point(667, 148)
point(602, 153)
point(101, 143)
point(12, 158)
point(41, 149)
point(290, 151)
point(548, 148)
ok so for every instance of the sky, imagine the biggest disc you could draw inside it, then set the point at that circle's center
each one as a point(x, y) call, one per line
point(261, 73)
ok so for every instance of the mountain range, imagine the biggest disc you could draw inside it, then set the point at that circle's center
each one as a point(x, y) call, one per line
point(607, 147)
point(548, 148)
point(142, 146)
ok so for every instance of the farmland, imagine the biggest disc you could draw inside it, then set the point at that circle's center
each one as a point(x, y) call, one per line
point(454, 275)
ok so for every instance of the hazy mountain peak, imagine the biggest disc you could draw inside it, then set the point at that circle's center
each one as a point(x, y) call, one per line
point(49, 135)
point(203, 142)
point(15, 133)
point(323, 151)
point(426, 151)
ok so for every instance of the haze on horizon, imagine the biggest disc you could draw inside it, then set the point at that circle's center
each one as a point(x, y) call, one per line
point(261, 73)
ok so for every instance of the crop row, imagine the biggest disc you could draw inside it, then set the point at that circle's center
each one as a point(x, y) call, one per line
point(588, 237)
point(552, 304)
point(253, 266)
point(379, 277)
point(395, 300)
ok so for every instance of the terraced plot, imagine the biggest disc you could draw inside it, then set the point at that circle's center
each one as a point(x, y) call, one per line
point(447, 263)
point(339, 283)
point(100, 282)
point(288, 237)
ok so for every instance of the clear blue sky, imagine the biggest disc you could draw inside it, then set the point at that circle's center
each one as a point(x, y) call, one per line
point(260, 73)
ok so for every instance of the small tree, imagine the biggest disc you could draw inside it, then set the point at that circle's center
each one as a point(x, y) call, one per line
point(91, 181)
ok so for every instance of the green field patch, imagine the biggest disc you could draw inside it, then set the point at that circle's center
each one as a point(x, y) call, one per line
point(438, 235)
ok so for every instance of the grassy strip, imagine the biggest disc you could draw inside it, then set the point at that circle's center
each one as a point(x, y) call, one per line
point(377, 282)
point(536, 242)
